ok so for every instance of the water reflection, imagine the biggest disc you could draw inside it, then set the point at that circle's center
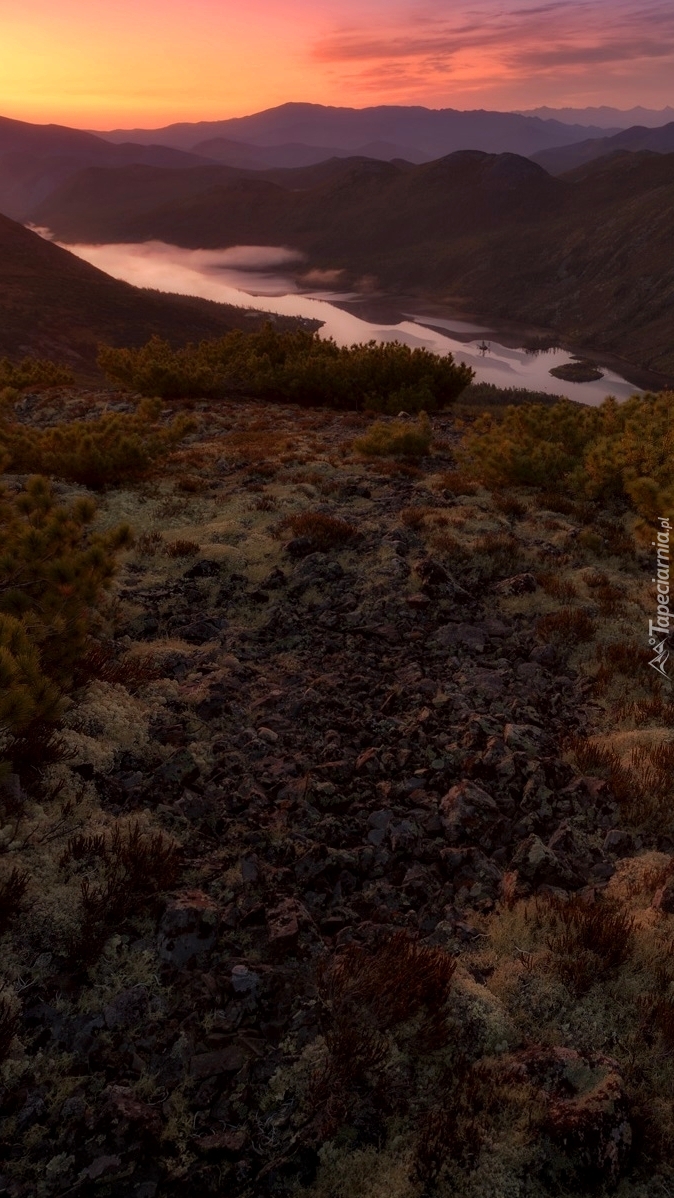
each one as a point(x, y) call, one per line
point(254, 277)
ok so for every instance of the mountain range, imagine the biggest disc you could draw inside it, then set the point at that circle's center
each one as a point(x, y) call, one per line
point(638, 137)
point(36, 158)
point(604, 116)
point(588, 254)
point(428, 131)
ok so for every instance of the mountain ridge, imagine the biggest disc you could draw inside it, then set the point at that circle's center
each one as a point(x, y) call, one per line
point(586, 254)
point(435, 131)
point(634, 139)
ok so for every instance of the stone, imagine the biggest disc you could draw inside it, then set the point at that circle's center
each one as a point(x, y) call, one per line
point(123, 1104)
point(188, 928)
point(619, 842)
point(518, 584)
point(451, 636)
point(127, 1007)
point(204, 568)
point(223, 1060)
point(283, 927)
point(180, 770)
point(465, 810)
point(101, 1166)
point(244, 981)
point(232, 1142)
point(537, 865)
point(201, 631)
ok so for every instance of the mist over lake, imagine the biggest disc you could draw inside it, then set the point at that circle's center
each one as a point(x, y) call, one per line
point(260, 277)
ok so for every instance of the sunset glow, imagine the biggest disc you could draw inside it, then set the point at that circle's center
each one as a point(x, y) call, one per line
point(121, 62)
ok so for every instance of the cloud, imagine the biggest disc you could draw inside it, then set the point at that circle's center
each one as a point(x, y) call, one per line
point(483, 41)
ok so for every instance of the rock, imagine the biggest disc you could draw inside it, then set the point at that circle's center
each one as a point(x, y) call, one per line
point(619, 842)
point(431, 573)
point(224, 1060)
point(300, 547)
point(417, 602)
point(122, 1103)
point(518, 584)
point(188, 927)
point(525, 738)
point(127, 1007)
point(451, 636)
point(101, 1166)
point(201, 631)
point(283, 927)
point(179, 771)
point(274, 580)
point(537, 865)
point(244, 981)
point(465, 810)
point(231, 1142)
point(205, 568)
point(585, 1110)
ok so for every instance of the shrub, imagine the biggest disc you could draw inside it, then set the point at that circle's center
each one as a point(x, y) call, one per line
point(34, 372)
point(397, 438)
point(296, 367)
point(614, 451)
point(135, 865)
point(570, 624)
point(53, 573)
point(113, 448)
point(324, 531)
point(366, 996)
point(182, 548)
point(458, 483)
point(590, 941)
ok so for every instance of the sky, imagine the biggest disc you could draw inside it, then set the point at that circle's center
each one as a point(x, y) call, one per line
point(103, 64)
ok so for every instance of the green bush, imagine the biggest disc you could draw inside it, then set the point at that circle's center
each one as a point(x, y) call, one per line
point(296, 367)
point(33, 372)
point(397, 439)
point(113, 448)
point(614, 451)
point(53, 571)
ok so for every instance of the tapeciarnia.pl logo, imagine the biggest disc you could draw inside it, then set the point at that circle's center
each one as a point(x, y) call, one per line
point(659, 628)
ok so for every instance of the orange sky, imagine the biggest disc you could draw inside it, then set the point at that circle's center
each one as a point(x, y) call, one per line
point(107, 63)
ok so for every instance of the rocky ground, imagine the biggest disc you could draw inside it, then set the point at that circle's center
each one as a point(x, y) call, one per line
point(350, 716)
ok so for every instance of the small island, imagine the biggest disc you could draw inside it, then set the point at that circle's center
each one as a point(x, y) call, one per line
point(580, 371)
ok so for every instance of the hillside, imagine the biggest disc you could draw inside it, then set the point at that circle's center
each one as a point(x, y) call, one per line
point(433, 132)
point(587, 255)
point(54, 305)
point(36, 158)
point(354, 873)
point(639, 137)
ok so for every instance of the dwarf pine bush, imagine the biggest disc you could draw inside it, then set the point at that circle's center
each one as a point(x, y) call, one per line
point(398, 438)
point(295, 367)
point(614, 451)
point(33, 372)
point(53, 572)
point(113, 448)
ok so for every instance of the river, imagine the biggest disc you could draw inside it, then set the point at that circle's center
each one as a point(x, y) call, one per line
point(266, 278)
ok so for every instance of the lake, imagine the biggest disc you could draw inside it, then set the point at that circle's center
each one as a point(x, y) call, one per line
point(266, 278)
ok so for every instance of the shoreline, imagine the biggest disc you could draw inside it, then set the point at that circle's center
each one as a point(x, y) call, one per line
point(514, 335)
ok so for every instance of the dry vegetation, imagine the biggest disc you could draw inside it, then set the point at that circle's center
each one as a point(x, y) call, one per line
point(346, 866)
